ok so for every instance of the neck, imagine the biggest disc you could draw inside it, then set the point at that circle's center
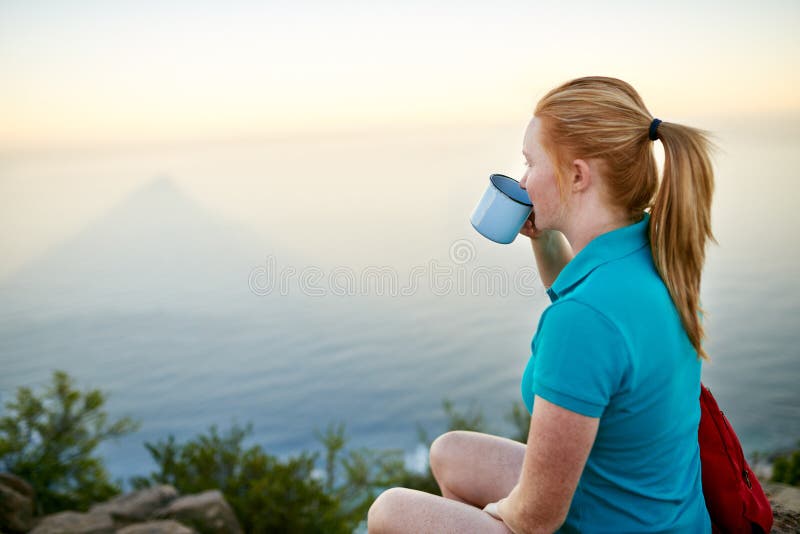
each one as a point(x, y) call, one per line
point(590, 223)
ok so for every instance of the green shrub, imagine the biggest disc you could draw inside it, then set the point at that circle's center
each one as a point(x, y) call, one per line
point(50, 439)
point(268, 495)
point(786, 468)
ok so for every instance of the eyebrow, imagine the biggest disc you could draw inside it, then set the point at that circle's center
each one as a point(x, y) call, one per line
point(524, 153)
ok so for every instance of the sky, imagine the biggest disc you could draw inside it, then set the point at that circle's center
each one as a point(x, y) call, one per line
point(77, 74)
point(244, 102)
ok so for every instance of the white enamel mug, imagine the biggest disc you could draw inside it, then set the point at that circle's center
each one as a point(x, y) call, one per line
point(502, 210)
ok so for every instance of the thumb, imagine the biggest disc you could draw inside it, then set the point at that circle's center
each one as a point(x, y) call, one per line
point(491, 509)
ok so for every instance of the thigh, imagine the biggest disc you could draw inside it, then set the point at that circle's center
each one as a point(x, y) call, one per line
point(478, 468)
point(401, 510)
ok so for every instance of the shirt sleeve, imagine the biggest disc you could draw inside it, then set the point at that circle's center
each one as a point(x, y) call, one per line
point(580, 358)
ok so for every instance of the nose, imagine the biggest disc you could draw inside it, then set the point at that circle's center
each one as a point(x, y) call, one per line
point(523, 181)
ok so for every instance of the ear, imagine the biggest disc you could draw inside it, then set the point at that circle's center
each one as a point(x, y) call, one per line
point(581, 175)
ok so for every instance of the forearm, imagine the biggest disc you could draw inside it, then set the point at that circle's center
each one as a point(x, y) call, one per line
point(553, 252)
point(519, 519)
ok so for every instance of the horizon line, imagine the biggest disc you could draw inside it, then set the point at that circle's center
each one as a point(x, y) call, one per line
point(311, 134)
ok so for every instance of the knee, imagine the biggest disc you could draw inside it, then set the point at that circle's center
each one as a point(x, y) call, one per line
point(442, 449)
point(382, 514)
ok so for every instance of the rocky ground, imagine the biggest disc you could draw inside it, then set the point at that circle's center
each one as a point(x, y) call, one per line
point(785, 501)
point(161, 510)
point(156, 510)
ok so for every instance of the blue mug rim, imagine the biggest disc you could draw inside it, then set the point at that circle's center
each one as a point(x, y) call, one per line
point(491, 179)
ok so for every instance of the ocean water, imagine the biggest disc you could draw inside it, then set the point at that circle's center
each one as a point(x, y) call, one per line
point(156, 286)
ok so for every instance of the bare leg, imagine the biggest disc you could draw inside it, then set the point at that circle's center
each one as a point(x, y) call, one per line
point(472, 469)
point(405, 511)
point(476, 468)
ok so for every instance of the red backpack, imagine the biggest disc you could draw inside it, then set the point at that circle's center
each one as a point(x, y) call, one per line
point(734, 498)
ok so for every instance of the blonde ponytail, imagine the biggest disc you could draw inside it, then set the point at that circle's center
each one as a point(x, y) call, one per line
point(680, 221)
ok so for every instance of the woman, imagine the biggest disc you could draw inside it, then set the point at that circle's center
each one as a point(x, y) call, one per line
point(614, 372)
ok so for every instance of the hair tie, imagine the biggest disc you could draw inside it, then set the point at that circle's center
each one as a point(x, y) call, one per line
point(653, 134)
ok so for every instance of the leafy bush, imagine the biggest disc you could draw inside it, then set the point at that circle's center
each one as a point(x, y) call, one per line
point(268, 495)
point(49, 440)
point(786, 468)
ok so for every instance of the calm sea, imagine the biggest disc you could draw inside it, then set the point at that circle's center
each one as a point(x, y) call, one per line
point(338, 217)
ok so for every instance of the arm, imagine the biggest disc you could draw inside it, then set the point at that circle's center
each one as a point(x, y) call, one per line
point(553, 252)
point(559, 443)
point(582, 360)
point(551, 249)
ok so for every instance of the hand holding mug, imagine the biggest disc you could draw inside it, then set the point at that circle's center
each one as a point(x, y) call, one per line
point(529, 228)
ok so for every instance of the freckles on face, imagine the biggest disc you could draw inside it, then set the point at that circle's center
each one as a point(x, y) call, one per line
point(529, 155)
point(539, 180)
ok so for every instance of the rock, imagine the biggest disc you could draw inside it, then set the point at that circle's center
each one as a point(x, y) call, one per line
point(785, 501)
point(138, 505)
point(17, 484)
point(206, 512)
point(783, 494)
point(157, 527)
point(16, 504)
point(785, 521)
point(75, 523)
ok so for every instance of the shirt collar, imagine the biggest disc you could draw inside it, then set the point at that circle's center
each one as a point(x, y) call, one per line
point(602, 249)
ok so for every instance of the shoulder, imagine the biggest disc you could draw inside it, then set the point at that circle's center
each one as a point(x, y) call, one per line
point(576, 315)
point(578, 329)
point(581, 357)
point(617, 287)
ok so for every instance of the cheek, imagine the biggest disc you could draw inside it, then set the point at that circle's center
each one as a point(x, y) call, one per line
point(542, 189)
point(547, 184)
point(534, 183)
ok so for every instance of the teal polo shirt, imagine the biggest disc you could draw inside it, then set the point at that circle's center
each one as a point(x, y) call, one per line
point(611, 345)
